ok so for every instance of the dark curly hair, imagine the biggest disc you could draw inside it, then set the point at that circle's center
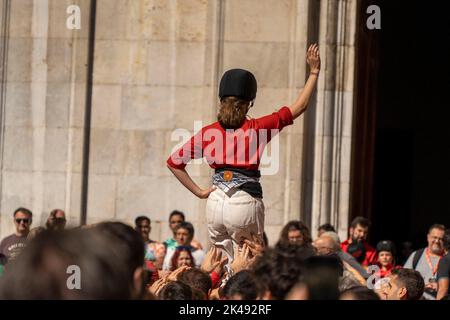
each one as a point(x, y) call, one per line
point(292, 226)
point(280, 268)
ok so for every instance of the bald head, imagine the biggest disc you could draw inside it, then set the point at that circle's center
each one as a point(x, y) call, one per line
point(328, 243)
point(334, 236)
point(325, 245)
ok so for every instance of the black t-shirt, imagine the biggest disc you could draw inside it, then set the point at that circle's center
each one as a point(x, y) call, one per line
point(444, 267)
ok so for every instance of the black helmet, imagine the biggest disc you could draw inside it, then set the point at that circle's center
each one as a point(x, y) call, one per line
point(386, 245)
point(238, 83)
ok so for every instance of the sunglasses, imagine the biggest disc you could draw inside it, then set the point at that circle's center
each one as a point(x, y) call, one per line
point(22, 220)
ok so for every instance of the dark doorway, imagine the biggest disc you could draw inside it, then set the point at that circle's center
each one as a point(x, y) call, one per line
point(401, 159)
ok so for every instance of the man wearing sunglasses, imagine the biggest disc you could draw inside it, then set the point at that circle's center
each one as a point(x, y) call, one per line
point(11, 246)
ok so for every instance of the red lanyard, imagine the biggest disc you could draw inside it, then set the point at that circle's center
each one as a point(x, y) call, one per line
point(434, 270)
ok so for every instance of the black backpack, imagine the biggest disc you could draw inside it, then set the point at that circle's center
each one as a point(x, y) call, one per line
point(416, 258)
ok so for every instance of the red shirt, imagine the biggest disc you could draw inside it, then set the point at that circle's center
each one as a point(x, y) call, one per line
point(384, 273)
point(241, 148)
point(151, 267)
point(371, 253)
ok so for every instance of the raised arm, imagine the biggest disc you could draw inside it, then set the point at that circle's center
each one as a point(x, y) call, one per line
point(313, 60)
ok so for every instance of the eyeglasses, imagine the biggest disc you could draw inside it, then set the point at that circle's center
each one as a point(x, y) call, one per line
point(23, 220)
point(437, 239)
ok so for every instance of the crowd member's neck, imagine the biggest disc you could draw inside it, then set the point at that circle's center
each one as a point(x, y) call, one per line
point(435, 254)
point(22, 233)
point(188, 244)
point(387, 267)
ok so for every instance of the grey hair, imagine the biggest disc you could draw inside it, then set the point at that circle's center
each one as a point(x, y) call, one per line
point(333, 236)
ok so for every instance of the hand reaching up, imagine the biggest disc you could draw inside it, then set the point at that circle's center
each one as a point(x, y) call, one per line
point(173, 276)
point(313, 58)
point(256, 245)
point(213, 261)
point(242, 259)
point(156, 287)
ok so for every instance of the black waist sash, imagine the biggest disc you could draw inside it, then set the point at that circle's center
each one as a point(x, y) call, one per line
point(252, 188)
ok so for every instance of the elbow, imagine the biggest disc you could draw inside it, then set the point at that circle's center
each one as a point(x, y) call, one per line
point(302, 108)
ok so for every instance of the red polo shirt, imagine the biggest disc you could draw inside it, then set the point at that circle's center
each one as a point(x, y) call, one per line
point(371, 253)
point(241, 148)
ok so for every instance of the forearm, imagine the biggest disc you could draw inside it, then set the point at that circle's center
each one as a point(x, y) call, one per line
point(442, 288)
point(300, 105)
point(185, 180)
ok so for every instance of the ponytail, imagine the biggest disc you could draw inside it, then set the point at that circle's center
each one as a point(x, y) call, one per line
point(232, 112)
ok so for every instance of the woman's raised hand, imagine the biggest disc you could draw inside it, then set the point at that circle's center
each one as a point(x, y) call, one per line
point(313, 58)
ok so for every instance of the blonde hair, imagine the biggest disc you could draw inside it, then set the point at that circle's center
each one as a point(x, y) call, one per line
point(232, 112)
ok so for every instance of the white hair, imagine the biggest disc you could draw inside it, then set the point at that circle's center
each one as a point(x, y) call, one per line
point(333, 236)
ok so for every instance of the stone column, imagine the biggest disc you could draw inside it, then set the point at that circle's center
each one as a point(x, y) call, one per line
point(328, 154)
point(43, 85)
point(154, 72)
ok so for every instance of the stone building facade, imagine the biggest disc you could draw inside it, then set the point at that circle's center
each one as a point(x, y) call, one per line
point(95, 143)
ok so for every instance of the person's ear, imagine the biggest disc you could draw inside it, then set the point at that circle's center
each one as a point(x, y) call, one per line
point(402, 294)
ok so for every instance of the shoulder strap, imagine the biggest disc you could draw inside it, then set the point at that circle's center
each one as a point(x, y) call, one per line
point(417, 256)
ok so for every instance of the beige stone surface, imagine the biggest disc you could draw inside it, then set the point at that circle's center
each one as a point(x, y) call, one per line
point(273, 233)
point(106, 106)
point(56, 149)
point(268, 61)
point(180, 20)
point(16, 192)
point(58, 16)
point(53, 185)
point(103, 190)
point(157, 64)
point(19, 65)
point(175, 63)
point(147, 107)
point(18, 95)
point(20, 16)
point(73, 198)
point(247, 21)
point(57, 107)
point(19, 158)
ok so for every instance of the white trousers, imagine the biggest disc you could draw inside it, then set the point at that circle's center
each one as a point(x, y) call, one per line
point(233, 219)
